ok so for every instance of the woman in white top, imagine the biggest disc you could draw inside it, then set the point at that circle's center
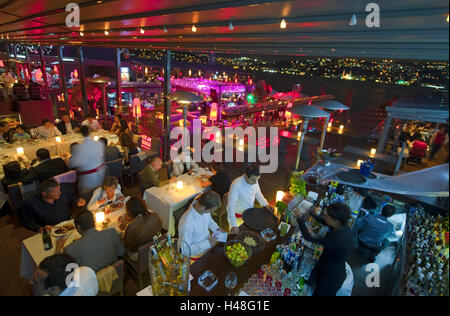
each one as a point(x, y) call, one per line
point(183, 164)
point(109, 192)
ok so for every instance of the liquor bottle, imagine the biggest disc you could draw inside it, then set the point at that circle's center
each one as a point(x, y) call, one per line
point(47, 240)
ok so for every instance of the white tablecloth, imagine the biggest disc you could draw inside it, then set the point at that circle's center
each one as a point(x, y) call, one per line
point(33, 248)
point(165, 201)
point(8, 152)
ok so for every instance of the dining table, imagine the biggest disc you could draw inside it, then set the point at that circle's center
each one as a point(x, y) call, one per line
point(165, 200)
point(9, 152)
point(33, 252)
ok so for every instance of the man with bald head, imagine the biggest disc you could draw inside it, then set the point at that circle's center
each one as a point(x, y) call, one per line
point(151, 176)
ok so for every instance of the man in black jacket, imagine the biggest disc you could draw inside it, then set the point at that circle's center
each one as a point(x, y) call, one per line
point(67, 125)
point(48, 168)
point(111, 152)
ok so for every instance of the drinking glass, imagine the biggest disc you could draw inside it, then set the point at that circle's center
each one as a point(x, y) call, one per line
point(231, 280)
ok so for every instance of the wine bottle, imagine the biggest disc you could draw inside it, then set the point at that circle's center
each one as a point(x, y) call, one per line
point(47, 240)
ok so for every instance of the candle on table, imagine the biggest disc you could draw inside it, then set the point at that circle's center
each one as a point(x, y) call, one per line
point(99, 217)
point(373, 152)
point(96, 138)
point(58, 139)
point(179, 185)
point(358, 164)
point(20, 151)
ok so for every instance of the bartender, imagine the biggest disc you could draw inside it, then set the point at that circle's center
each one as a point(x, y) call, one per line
point(329, 273)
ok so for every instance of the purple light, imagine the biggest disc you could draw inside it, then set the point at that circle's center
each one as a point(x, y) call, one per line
point(204, 86)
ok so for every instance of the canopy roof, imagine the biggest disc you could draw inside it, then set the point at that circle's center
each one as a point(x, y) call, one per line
point(427, 108)
point(414, 29)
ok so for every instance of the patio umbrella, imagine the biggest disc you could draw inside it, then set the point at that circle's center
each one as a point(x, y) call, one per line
point(184, 98)
point(308, 112)
point(331, 105)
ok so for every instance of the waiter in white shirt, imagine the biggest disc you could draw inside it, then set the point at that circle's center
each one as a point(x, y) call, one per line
point(91, 122)
point(244, 191)
point(195, 225)
point(88, 159)
point(47, 130)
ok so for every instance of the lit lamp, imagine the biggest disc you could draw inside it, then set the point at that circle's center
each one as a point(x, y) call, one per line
point(373, 152)
point(280, 195)
point(299, 135)
point(20, 151)
point(241, 142)
point(359, 163)
point(99, 217)
point(203, 119)
point(288, 115)
point(181, 122)
point(179, 185)
point(330, 125)
point(218, 138)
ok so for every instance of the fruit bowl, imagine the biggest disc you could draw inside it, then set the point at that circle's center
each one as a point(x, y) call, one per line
point(237, 255)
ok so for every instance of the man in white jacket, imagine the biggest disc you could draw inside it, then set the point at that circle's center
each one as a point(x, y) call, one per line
point(195, 225)
point(244, 191)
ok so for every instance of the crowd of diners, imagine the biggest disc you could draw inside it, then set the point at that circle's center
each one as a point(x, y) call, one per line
point(198, 226)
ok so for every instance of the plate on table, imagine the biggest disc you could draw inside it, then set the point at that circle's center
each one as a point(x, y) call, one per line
point(62, 229)
point(252, 240)
point(111, 208)
point(259, 218)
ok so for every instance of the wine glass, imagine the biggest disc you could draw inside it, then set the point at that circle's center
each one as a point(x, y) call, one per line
point(231, 280)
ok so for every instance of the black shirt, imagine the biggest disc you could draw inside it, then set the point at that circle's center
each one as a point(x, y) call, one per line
point(221, 183)
point(337, 248)
point(37, 213)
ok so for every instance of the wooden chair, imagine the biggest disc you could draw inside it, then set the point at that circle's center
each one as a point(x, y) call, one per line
point(115, 169)
point(220, 217)
point(141, 267)
point(137, 164)
point(117, 286)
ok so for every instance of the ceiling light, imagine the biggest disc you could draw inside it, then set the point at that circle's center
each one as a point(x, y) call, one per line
point(142, 31)
point(283, 24)
point(194, 29)
point(353, 20)
point(106, 32)
point(81, 34)
point(230, 26)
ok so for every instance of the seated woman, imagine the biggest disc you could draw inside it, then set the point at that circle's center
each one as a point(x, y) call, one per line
point(220, 182)
point(20, 134)
point(142, 226)
point(129, 147)
point(108, 193)
point(119, 125)
point(183, 163)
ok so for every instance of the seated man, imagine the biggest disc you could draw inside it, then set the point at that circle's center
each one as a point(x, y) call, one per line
point(95, 249)
point(140, 228)
point(183, 163)
point(50, 279)
point(151, 176)
point(374, 229)
point(111, 152)
point(244, 191)
point(5, 132)
point(48, 208)
point(195, 225)
point(47, 167)
point(91, 122)
point(47, 130)
point(220, 181)
point(67, 126)
point(109, 192)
